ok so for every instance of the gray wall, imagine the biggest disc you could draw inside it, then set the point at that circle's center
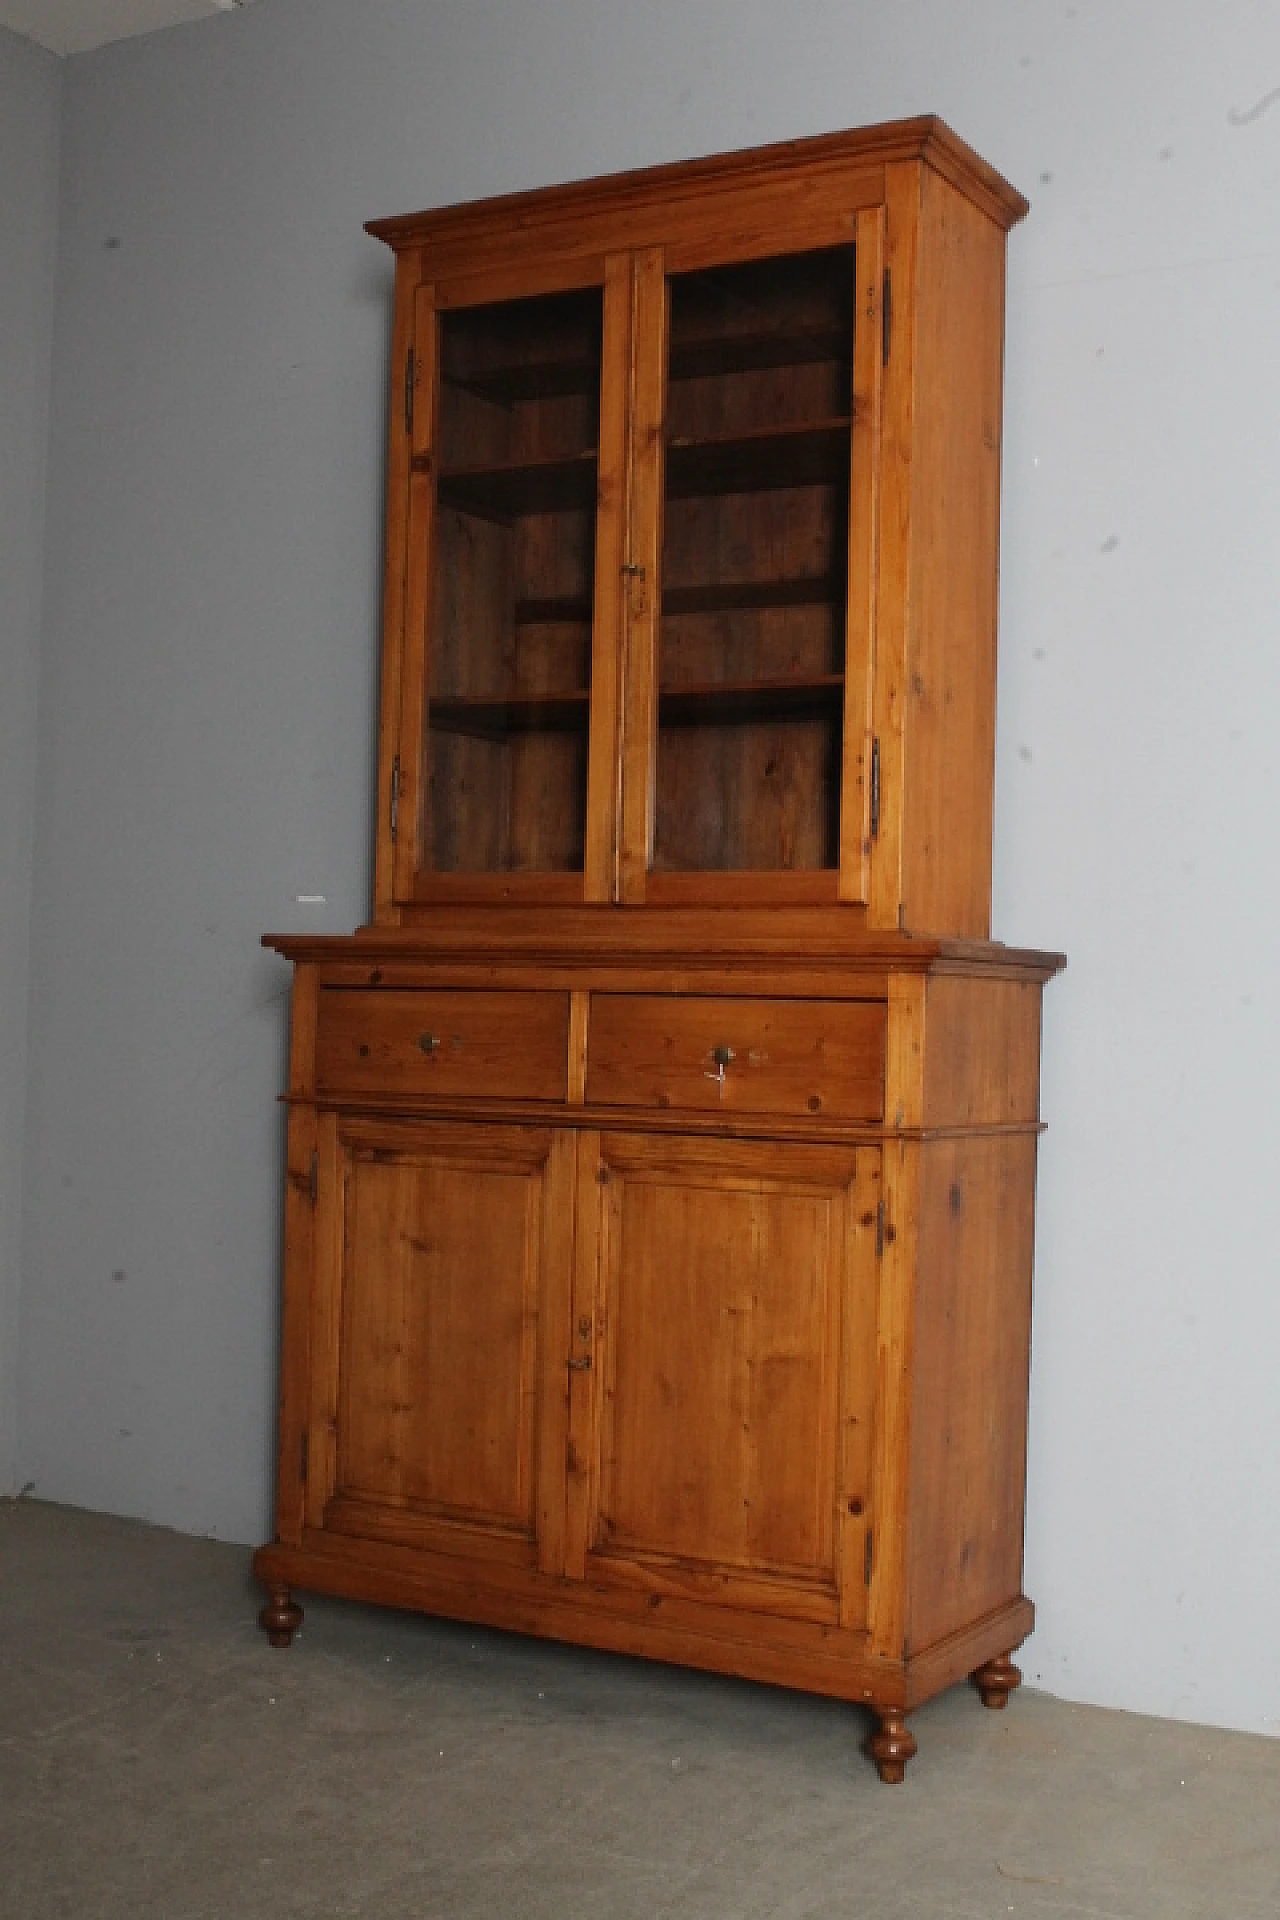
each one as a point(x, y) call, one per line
point(30, 88)
point(208, 681)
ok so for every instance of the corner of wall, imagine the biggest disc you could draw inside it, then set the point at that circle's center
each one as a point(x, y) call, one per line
point(30, 139)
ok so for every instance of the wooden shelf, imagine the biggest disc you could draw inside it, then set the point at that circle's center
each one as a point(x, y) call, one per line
point(709, 703)
point(733, 596)
point(712, 596)
point(504, 493)
point(496, 716)
point(812, 455)
point(816, 454)
point(725, 703)
point(508, 386)
point(695, 359)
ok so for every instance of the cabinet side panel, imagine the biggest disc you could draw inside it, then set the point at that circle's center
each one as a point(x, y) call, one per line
point(295, 1346)
point(969, 1393)
point(983, 1053)
point(949, 695)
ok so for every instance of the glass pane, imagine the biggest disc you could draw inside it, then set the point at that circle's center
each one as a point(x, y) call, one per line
point(754, 566)
point(509, 664)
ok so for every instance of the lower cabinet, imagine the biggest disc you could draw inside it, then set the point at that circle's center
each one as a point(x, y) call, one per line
point(721, 1436)
point(723, 1361)
point(436, 1405)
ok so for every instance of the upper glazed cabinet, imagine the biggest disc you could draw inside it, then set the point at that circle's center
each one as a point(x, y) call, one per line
point(691, 576)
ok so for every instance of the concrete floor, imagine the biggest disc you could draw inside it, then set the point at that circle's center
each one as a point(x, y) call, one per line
point(157, 1758)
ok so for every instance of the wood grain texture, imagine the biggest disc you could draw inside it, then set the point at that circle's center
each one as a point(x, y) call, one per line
point(721, 1396)
point(661, 1159)
point(864, 541)
point(437, 1394)
point(855, 1507)
point(582, 1451)
point(656, 1626)
point(892, 1491)
point(905, 1049)
point(579, 1024)
point(403, 783)
point(642, 570)
point(608, 640)
point(805, 936)
point(970, 1360)
point(949, 693)
point(893, 610)
point(302, 1162)
point(829, 163)
point(303, 1005)
point(762, 1056)
point(982, 1058)
point(509, 1044)
point(316, 1404)
point(394, 585)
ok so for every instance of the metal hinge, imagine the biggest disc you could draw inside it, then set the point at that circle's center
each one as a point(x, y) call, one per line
point(313, 1183)
point(304, 1458)
point(875, 787)
point(886, 318)
point(868, 1555)
point(879, 1229)
point(409, 370)
point(395, 798)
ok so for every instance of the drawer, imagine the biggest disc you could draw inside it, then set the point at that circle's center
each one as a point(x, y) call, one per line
point(497, 1046)
point(745, 1056)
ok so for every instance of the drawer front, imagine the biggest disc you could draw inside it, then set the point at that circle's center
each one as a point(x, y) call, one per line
point(496, 1046)
point(805, 1057)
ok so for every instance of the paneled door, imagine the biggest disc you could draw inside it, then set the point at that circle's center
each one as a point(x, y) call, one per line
point(439, 1337)
point(725, 1421)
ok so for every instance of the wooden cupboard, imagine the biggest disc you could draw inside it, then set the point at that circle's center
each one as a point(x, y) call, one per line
point(661, 1157)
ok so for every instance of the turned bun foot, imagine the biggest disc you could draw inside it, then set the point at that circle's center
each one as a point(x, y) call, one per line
point(996, 1681)
point(892, 1746)
point(281, 1617)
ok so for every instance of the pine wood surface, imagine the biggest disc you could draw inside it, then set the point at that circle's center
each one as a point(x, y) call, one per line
point(691, 936)
point(655, 191)
point(661, 1160)
point(615, 668)
point(970, 1355)
point(774, 1056)
point(447, 1042)
point(687, 1631)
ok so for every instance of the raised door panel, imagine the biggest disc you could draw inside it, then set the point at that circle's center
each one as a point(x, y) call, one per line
point(729, 1432)
point(439, 1398)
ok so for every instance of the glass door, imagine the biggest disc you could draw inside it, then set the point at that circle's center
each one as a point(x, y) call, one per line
point(761, 635)
point(502, 561)
point(752, 643)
